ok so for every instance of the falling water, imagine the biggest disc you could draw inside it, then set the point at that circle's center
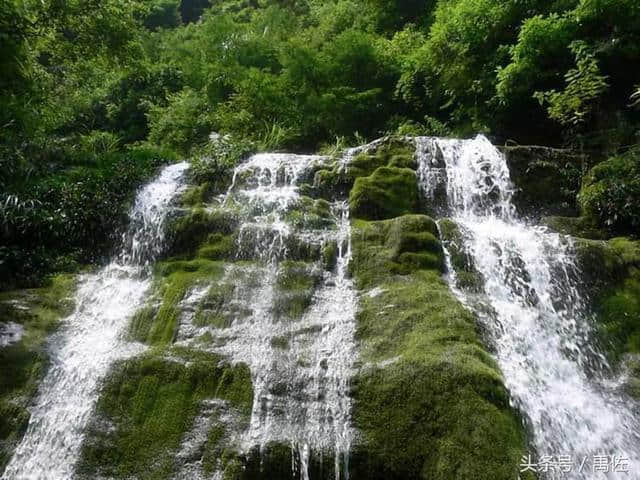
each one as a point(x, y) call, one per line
point(536, 318)
point(90, 340)
point(300, 366)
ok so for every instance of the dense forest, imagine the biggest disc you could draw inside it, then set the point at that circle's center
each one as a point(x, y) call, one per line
point(305, 239)
point(94, 94)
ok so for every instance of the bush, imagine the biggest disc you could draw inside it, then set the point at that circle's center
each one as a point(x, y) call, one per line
point(163, 14)
point(57, 221)
point(182, 125)
point(610, 195)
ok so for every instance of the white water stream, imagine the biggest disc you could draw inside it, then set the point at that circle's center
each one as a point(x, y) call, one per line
point(90, 340)
point(300, 367)
point(535, 316)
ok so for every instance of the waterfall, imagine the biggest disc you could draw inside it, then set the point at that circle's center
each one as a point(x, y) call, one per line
point(300, 365)
point(91, 339)
point(534, 314)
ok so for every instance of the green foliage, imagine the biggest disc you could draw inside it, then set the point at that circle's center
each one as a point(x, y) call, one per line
point(83, 81)
point(55, 221)
point(585, 84)
point(610, 195)
point(602, 36)
point(184, 124)
point(163, 14)
point(190, 10)
point(392, 15)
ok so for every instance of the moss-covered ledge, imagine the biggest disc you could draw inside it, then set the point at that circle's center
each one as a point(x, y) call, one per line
point(429, 401)
point(611, 275)
point(547, 179)
point(147, 405)
point(34, 314)
point(337, 180)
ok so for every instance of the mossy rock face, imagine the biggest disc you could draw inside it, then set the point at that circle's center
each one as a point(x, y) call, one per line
point(311, 214)
point(398, 246)
point(429, 401)
point(188, 232)
point(467, 277)
point(276, 460)
point(150, 404)
point(389, 152)
point(547, 180)
point(157, 322)
point(388, 192)
point(295, 285)
point(329, 183)
point(217, 247)
point(24, 361)
point(337, 182)
point(612, 270)
point(196, 195)
point(575, 226)
point(605, 263)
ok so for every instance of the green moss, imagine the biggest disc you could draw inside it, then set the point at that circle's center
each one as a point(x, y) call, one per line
point(430, 402)
point(196, 196)
point(574, 226)
point(330, 255)
point(189, 232)
point(330, 183)
point(337, 181)
point(150, 403)
point(605, 263)
point(296, 283)
point(141, 323)
point(24, 363)
point(391, 153)
point(612, 273)
point(619, 313)
point(217, 247)
point(215, 308)
point(466, 275)
point(275, 461)
point(398, 246)
point(218, 456)
point(388, 192)
point(175, 278)
point(616, 265)
point(311, 214)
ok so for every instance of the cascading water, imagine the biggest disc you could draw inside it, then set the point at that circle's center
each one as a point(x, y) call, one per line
point(537, 320)
point(90, 340)
point(300, 366)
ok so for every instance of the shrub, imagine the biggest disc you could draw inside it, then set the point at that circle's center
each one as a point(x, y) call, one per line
point(610, 195)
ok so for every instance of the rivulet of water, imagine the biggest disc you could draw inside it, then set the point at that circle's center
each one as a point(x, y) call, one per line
point(90, 340)
point(300, 367)
point(535, 314)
